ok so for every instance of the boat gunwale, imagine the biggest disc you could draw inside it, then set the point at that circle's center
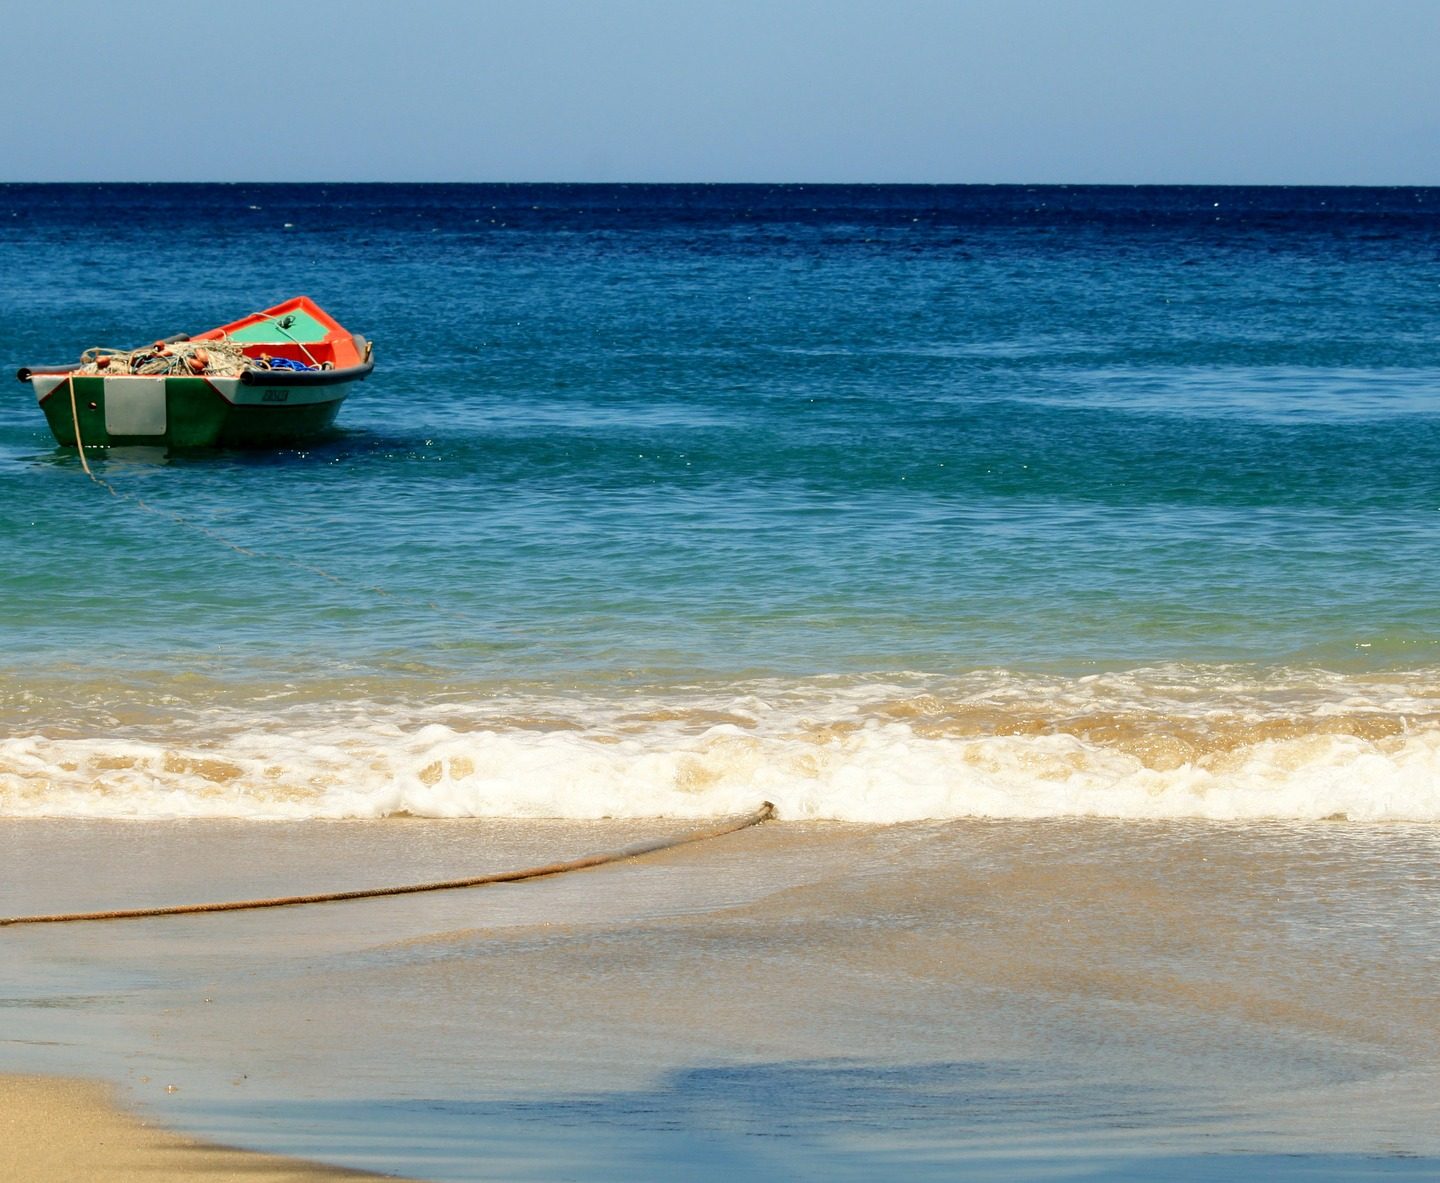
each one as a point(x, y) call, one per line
point(248, 377)
point(306, 377)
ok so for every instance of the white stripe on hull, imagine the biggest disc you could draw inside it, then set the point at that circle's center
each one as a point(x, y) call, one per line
point(236, 392)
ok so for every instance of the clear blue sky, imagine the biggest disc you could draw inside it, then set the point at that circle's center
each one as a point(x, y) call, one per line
point(1166, 91)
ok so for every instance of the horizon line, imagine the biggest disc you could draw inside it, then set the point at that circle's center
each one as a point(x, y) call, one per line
point(791, 184)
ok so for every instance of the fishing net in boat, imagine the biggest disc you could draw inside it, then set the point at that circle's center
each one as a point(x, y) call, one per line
point(180, 358)
point(167, 358)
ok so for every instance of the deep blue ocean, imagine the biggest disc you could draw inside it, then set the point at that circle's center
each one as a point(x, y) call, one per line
point(887, 501)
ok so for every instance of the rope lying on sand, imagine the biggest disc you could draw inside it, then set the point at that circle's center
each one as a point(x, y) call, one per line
point(764, 813)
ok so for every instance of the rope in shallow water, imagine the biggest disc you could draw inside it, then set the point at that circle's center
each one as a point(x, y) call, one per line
point(215, 535)
point(764, 813)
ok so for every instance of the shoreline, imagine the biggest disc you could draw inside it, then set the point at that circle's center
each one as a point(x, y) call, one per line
point(60, 1128)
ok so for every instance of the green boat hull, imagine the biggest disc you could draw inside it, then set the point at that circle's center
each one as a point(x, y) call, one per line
point(184, 412)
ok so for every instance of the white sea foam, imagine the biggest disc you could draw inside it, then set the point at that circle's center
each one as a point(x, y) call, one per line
point(1158, 744)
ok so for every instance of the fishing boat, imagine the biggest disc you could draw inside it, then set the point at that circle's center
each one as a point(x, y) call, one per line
point(272, 377)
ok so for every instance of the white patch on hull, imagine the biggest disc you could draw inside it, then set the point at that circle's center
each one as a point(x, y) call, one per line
point(135, 406)
point(45, 384)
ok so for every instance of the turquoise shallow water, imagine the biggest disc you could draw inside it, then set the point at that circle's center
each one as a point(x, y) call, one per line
point(725, 454)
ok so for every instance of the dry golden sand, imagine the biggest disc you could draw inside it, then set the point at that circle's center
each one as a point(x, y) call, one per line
point(54, 1130)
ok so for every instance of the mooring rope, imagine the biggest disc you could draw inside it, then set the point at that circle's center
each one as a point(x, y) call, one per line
point(764, 813)
point(214, 535)
point(75, 419)
point(229, 544)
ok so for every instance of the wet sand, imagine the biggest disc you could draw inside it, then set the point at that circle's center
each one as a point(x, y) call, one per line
point(1006, 1000)
point(56, 1131)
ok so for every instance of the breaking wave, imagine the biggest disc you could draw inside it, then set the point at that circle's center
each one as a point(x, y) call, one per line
point(1209, 743)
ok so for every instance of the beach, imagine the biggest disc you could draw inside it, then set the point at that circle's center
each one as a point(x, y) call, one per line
point(1057, 561)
